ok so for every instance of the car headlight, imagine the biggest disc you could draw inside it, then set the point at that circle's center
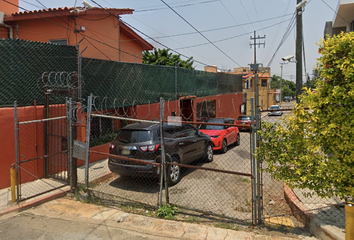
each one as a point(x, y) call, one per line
point(215, 136)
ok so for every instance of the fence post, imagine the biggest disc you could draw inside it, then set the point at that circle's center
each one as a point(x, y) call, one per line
point(17, 153)
point(163, 163)
point(70, 143)
point(87, 149)
point(254, 173)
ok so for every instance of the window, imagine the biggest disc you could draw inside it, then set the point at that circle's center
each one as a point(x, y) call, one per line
point(264, 82)
point(59, 41)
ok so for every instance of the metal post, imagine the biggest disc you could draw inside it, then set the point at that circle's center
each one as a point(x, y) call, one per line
point(46, 128)
point(281, 82)
point(176, 87)
point(88, 130)
point(298, 51)
point(163, 159)
point(17, 153)
point(70, 142)
point(253, 145)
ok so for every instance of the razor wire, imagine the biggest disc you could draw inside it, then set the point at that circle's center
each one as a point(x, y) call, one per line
point(62, 80)
point(127, 108)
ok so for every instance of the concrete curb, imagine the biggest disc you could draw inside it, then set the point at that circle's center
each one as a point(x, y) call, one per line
point(300, 211)
point(35, 202)
point(303, 214)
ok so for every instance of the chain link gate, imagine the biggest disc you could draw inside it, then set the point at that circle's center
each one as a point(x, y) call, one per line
point(225, 188)
point(43, 145)
point(41, 153)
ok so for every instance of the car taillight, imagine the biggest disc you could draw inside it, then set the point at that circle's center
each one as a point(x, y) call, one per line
point(150, 148)
point(237, 122)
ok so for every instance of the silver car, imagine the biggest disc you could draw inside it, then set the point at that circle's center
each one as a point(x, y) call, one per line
point(274, 111)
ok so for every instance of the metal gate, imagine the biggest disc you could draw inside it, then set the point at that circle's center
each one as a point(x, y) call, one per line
point(41, 151)
point(42, 139)
point(226, 188)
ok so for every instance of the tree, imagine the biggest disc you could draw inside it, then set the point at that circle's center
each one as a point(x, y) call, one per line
point(288, 87)
point(163, 57)
point(314, 146)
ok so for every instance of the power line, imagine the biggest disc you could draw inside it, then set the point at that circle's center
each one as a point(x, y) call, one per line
point(185, 5)
point(223, 28)
point(132, 27)
point(225, 39)
point(336, 13)
point(202, 34)
point(285, 36)
point(230, 14)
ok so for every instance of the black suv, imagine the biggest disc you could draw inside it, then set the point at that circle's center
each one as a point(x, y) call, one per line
point(183, 144)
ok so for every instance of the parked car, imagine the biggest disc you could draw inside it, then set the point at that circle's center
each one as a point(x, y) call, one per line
point(287, 99)
point(142, 141)
point(222, 136)
point(274, 111)
point(244, 122)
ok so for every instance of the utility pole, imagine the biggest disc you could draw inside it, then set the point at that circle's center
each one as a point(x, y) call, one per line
point(281, 82)
point(255, 67)
point(299, 40)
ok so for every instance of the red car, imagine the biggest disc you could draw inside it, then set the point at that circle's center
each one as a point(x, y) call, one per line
point(222, 136)
point(244, 123)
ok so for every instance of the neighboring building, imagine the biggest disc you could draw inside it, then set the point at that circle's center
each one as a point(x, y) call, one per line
point(267, 96)
point(343, 19)
point(97, 30)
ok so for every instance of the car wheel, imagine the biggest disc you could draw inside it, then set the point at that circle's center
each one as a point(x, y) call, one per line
point(209, 154)
point(238, 140)
point(224, 146)
point(173, 173)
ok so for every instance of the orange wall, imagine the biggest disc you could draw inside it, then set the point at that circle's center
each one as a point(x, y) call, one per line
point(9, 8)
point(7, 139)
point(227, 105)
point(106, 31)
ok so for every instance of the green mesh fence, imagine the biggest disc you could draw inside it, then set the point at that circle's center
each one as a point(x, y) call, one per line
point(125, 84)
point(22, 64)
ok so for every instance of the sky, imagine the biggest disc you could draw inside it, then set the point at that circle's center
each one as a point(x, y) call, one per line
point(218, 32)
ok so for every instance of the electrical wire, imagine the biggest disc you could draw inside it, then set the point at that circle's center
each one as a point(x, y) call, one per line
point(223, 28)
point(336, 13)
point(244, 9)
point(255, 9)
point(225, 39)
point(285, 36)
point(230, 14)
point(201, 34)
point(185, 5)
point(148, 37)
point(276, 34)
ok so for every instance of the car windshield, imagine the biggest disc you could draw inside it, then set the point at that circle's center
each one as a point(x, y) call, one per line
point(213, 127)
point(244, 118)
point(134, 136)
point(274, 107)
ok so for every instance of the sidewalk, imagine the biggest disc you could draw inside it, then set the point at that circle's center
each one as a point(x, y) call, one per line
point(323, 219)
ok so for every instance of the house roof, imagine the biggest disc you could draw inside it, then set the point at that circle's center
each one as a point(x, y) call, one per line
point(344, 14)
point(69, 11)
point(260, 75)
point(66, 11)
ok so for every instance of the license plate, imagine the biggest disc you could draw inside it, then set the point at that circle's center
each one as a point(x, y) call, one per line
point(125, 152)
point(243, 123)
